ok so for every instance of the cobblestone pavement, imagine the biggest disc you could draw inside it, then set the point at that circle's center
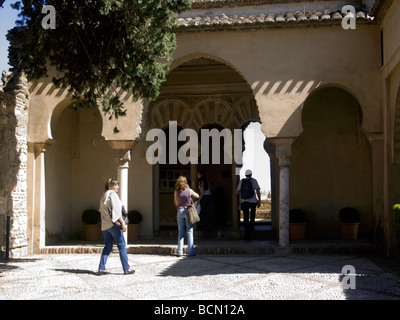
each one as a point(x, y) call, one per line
point(203, 277)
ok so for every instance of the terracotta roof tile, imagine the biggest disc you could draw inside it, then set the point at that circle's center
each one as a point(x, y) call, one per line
point(265, 19)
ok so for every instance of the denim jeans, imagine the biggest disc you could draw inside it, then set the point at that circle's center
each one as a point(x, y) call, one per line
point(182, 227)
point(110, 235)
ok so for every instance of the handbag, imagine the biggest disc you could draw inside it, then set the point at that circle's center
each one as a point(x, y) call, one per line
point(124, 216)
point(191, 215)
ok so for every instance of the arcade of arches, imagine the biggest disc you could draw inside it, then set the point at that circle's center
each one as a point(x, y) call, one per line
point(327, 100)
point(328, 160)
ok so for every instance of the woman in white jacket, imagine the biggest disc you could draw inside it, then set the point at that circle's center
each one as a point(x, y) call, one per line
point(111, 233)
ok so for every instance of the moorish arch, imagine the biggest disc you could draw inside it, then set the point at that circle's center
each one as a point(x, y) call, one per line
point(202, 93)
point(331, 163)
point(76, 166)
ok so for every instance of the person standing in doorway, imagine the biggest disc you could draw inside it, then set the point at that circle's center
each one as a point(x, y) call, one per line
point(250, 195)
point(205, 201)
point(182, 197)
point(112, 233)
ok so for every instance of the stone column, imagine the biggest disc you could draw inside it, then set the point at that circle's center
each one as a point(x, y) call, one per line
point(376, 141)
point(283, 154)
point(270, 149)
point(39, 198)
point(122, 158)
point(123, 155)
point(235, 199)
point(156, 198)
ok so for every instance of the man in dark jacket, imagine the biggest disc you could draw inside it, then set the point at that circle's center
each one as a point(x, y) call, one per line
point(247, 189)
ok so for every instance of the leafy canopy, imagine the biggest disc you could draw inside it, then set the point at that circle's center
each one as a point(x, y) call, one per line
point(98, 47)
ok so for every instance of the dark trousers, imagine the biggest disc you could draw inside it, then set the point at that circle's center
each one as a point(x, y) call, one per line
point(205, 218)
point(249, 215)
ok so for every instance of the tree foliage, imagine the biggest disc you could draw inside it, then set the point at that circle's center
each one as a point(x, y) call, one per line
point(98, 47)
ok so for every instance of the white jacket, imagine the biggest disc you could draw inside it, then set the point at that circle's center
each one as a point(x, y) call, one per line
point(109, 199)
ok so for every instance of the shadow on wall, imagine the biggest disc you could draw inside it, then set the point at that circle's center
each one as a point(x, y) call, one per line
point(77, 166)
point(331, 163)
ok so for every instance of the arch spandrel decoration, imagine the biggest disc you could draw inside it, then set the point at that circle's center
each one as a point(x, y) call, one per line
point(214, 111)
point(170, 110)
point(245, 110)
point(229, 112)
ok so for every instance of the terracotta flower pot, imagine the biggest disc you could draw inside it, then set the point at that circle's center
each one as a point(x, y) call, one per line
point(133, 232)
point(349, 231)
point(92, 232)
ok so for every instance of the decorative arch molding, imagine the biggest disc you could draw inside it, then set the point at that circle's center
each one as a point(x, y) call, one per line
point(229, 108)
point(215, 111)
point(170, 109)
point(194, 112)
point(245, 110)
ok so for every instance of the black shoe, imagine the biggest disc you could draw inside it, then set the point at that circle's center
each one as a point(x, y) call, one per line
point(130, 271)
point(102, 272)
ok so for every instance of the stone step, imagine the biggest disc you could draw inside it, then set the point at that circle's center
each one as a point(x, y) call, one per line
point(222, 234)
point(220, 246)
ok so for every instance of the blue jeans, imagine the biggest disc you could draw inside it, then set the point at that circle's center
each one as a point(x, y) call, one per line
point(182, 227)
point(110, 235)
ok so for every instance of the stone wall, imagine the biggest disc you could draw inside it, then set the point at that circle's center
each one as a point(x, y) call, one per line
point(14, 102)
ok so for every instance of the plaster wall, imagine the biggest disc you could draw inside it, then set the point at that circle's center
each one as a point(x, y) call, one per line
point(283, 66)
point(331, 164)
point(390, 85)
point(48, 102)
point(77, 166)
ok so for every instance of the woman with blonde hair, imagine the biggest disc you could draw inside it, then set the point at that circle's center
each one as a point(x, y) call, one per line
point(182, 197)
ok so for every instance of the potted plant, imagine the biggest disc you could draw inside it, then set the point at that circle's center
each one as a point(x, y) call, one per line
point(135, 217)
point(349, 222)
point(91, 224)
point(297, 224)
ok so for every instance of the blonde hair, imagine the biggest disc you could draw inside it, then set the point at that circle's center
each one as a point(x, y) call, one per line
point(181, 183)
point(111, 183)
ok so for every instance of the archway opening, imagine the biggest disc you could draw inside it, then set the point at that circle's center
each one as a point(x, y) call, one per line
point(77, 165)
point(206, 93)
point(168, 174)
point(257, 159)
point(331, 164)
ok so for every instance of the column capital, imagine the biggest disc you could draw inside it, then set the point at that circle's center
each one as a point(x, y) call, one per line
point(283, 150)
point(374, 136)
point(122, 144)
point(40, 147)
point(122, 156)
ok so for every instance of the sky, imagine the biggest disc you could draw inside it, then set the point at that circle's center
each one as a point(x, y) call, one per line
point(254, 158)
point(7, 22)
